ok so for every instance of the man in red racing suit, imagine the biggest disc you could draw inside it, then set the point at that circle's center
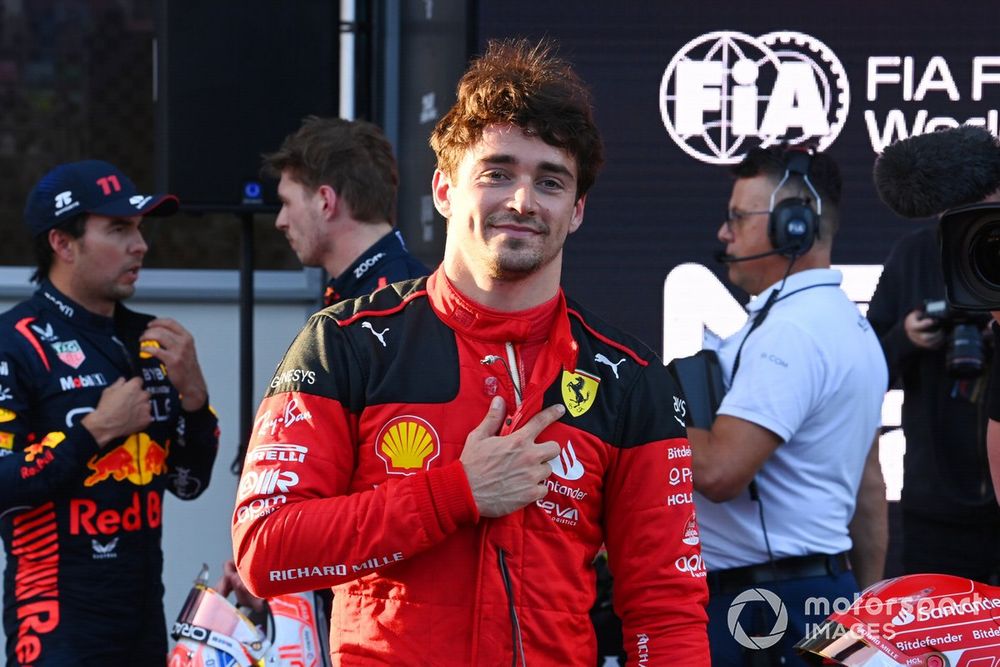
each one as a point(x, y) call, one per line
point(451, 537)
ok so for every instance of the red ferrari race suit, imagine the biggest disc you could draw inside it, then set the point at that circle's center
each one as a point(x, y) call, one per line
point(81, 525)
point(353, 480)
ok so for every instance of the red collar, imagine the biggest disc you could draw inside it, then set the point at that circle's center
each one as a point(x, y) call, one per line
point(548, 321)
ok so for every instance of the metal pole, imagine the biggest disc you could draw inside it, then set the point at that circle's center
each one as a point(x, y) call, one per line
point(246, 339)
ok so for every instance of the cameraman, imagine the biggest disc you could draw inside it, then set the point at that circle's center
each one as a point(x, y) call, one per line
point(950, 517)
point(993, 426)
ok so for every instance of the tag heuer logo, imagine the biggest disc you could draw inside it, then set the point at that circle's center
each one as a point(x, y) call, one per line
point(70, 353)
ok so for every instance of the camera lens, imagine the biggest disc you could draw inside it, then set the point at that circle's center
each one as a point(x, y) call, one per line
point(984, 253)
point(964, 356)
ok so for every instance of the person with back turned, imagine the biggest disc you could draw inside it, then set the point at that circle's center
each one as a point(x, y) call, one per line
point(779, 474)
point(338, 182)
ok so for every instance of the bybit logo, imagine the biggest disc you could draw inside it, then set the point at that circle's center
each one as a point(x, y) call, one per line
point(726, 92)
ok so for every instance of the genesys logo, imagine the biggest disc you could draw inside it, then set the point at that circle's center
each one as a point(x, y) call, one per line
point(726, 92)
point(293, 376)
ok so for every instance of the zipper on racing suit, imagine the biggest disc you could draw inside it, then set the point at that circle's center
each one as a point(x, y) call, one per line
point(517, 640)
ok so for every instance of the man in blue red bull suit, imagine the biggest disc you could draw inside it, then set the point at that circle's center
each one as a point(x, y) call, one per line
point(338, 182)
point(102, 409)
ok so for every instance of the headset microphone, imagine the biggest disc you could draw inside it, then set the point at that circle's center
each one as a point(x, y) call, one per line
point(723, 258)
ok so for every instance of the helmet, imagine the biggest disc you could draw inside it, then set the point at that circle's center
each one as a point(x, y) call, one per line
point(919, 620)
point(211, 631)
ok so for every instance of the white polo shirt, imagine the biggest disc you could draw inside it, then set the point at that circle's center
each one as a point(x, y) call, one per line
point(814, 374)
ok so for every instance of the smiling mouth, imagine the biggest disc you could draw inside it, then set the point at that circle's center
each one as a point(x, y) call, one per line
point(518, 229)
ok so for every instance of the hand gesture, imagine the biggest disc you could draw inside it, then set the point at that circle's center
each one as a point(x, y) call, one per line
point(923, 331)
point(172, 344)
point(122, 410)
point(508, 472)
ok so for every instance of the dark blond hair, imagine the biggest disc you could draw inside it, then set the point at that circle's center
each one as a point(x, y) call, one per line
point(351, 156)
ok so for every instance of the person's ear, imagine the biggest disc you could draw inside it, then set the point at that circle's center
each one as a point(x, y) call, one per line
point(63, 245)
point(577, 219)
point(441, 187)
point(327, 200)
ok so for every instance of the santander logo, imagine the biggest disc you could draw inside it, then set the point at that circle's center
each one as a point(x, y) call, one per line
point(566, 465)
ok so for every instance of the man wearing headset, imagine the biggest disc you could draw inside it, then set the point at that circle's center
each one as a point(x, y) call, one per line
point(777, 476)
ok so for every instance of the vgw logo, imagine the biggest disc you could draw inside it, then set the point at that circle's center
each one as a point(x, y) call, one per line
point(726, 92)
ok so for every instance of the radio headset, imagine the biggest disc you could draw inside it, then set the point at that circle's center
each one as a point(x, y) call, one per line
point(793, 224)
point(792, 228)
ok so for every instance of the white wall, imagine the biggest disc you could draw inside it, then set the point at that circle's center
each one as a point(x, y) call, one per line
point(206, 303)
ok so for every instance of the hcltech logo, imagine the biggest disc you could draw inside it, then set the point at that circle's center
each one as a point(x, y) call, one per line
point(726, 92)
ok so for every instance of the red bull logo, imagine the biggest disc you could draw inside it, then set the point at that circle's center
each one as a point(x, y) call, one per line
point(156, 459)
point(84, 517)
point(39, 454)
point(34, 450)
point(137, 460)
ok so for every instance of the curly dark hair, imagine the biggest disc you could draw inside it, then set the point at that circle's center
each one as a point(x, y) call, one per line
point(523, 84)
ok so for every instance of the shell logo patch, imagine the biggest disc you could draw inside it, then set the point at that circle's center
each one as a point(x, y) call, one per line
point(578, 391)
point(6, 440)
point(407, 444)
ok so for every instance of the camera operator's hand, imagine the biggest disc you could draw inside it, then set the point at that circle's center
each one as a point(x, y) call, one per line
point(924, 332)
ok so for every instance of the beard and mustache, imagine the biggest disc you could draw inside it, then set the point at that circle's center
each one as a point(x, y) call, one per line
point(514, 258)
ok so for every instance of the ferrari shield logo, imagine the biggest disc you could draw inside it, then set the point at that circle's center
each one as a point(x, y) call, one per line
point(578, 391)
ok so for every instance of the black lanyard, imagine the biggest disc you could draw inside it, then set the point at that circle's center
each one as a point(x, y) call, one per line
point(772, 299)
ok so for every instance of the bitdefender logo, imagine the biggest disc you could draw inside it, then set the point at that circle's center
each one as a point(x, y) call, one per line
point(727, 92)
